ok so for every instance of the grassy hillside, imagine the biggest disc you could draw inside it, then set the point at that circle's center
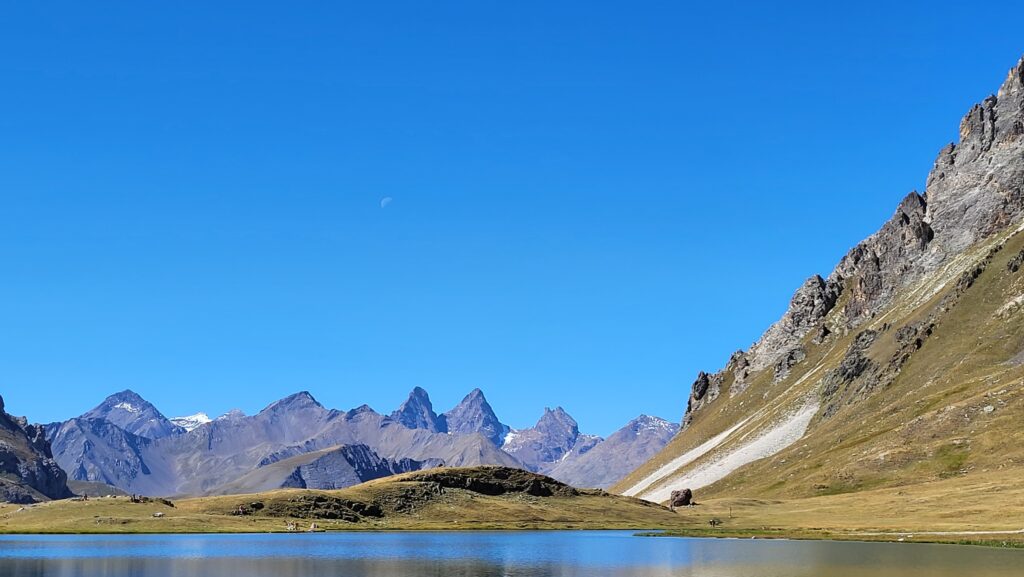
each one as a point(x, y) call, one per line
point(447, 498)
point(941, 445)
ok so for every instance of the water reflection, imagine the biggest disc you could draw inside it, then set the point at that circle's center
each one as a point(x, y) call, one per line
point(527, 554)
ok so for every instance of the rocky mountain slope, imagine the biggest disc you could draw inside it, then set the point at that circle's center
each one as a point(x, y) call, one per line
point(297, 442)
point(905, 365)
point(334, 468)
point(555, 436)
point(624, 450)
point(28, 472)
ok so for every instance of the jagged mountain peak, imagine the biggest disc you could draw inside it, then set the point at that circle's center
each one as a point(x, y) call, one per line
point(557, 418)
point(475, 415)
point(417, 412)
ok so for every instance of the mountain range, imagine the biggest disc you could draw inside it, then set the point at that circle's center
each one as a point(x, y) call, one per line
point(905, 365)
point(127, 443)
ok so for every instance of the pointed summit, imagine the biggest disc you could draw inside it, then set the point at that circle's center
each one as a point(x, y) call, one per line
point(131, 412)
point(556, 423)
point(418, 413)
point(298, 401)
point(475, 415)
point(554, 435)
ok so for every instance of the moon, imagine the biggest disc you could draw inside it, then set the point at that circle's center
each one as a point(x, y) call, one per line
point(384, 202)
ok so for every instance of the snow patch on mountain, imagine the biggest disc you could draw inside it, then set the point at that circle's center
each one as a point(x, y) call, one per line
point(191, 421)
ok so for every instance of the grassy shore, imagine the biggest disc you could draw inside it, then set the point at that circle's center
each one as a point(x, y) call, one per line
point(983, 510)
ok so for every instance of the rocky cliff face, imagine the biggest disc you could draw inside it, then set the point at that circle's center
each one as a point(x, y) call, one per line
point(28, 472)
point(849, 341)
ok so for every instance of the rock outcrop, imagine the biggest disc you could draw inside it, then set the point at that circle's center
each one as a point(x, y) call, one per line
point(28, 472)
point(878, 370)
point(974, 190)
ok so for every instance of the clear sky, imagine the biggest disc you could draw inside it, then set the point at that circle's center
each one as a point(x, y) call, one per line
point(590, 201)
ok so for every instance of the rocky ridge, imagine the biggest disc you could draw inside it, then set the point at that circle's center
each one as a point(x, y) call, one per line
point(847, 339)
point(28, 472)
point(296, 441)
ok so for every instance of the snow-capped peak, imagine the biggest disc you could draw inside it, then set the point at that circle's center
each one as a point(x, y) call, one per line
point(192, 421)
point(125, 406)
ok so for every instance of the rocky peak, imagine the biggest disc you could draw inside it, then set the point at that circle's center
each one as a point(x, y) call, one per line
point(417, 412)
point(555, 434)
point(28, 472)
point(808, 307)
point(129, 411)
point(361, 409)
point(975, 186)
point(475, 415)
point(556, 423)
point(301, 400)
point(975, 189)
point(644, 423)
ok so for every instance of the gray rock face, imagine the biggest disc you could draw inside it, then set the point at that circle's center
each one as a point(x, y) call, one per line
point(606, 462)
point(99, 451)
point(418, 413)
point(475, 415)
point(134, 414)
point(545, 443)
point(977, 186)
point(28, 472)
point(974, 190)
point(334, 468)
point(895, 256)
point(812, 301)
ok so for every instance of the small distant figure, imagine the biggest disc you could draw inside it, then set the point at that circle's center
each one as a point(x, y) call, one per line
point(682, 498)
point(314, 527)
point(714, 522)
point(292, 527)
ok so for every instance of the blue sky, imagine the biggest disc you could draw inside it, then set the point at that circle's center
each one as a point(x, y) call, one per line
point(591, 201)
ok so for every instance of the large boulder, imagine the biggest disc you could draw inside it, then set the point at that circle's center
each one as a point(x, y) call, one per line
point(681, 498)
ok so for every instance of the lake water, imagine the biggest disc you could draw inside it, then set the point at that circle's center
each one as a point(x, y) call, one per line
point(487, 554)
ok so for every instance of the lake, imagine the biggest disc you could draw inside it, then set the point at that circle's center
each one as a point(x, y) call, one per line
point(486, 554)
